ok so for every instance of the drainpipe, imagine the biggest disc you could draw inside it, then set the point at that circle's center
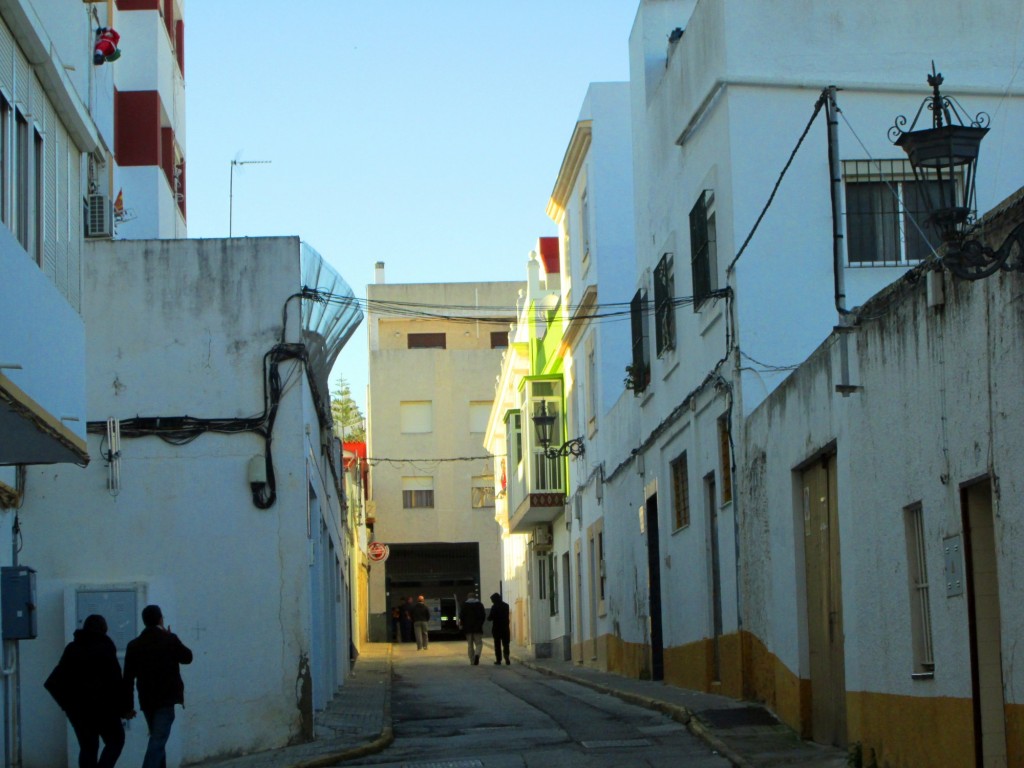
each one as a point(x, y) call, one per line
point(845, 325)
point(12, 681)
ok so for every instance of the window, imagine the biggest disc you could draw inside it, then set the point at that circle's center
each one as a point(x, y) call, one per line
point(417, 492)
point(427, 341)
point(680, 492)
point(5, 160)
point(725, 458)
point(483, 491)
point(590, 386)
point(553, 591)
point(602, 577)
point(23, 186)
point(886, 214)
point(664, 309)
point(567, 233)
point(499, 339)
point(585, 227)
point(920, 612)
point(640, 369)
point(703, 251)
point(416, 417)
point(542, 577)
point(36, 215)
point(479, 415)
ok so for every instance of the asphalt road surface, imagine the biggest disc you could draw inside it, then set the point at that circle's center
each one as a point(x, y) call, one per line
point(450, 714)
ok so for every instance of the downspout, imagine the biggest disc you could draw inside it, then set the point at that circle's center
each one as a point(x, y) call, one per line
point(12, 679)
point(845, 325)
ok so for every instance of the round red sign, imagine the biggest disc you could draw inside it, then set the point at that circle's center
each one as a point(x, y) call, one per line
point(377, 552)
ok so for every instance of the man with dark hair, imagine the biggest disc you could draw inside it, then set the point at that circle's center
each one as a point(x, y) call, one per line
point(152, 659)
point(471, 619)
point(421, 624)
point(501, 622)
point(86, 683)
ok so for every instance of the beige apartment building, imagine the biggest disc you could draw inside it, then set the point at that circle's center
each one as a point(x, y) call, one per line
point(434, 353)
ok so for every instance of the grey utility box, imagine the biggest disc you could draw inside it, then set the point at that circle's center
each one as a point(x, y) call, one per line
point(18, 602)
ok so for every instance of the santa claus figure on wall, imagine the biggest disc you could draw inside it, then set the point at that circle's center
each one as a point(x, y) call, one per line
point(106, 48)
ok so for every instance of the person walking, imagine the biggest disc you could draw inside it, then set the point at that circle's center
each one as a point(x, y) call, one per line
point(471, 619)
point(420, 622)
point(406, 620)
point(86, 684)
point(500, 619)
point(152, 660)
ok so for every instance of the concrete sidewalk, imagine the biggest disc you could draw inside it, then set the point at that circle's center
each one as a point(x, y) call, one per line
point(747, 734)
point(357, 722)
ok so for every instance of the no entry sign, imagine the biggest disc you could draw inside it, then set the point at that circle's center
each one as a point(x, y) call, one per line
point(378, 552)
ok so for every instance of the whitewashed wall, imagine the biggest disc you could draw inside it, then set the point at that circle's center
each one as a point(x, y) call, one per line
point(920, 368)
point(181, 328)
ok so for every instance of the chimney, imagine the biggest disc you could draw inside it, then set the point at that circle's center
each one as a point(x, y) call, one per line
point(379, 273)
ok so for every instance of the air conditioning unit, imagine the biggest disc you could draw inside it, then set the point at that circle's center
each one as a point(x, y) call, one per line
point(99, 216)
point(541, 538)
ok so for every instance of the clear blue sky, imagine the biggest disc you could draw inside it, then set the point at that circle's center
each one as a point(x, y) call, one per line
point(423, 134)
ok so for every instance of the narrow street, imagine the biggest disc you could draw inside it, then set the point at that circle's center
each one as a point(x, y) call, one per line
point(450, 714)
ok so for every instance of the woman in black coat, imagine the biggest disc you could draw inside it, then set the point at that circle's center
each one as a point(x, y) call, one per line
point(86, 683)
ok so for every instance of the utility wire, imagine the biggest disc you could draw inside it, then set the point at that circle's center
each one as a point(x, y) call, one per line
point(817, 108)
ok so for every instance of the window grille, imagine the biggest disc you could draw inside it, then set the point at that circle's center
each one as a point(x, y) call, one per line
point(886, 214)
point(920, 611)
point(680, 492)
point(640, 369)
point(664, 310)
point(703, 250)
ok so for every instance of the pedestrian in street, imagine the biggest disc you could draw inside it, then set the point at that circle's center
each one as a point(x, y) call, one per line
point(396, 622)
point(152, 661)
point(500, 619)
point(420, 622)
point(86, 683)
point(471, 619)
point(407, 633)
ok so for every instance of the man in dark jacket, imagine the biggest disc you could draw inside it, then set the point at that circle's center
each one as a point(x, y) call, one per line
point(500, 627)
point(86, 683)
point(471, 619)
point(152, 659)
point(421, 624)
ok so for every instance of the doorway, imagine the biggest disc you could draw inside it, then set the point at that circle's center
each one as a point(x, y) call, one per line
point(654, 588)
point(985, 625)
point(824, 602)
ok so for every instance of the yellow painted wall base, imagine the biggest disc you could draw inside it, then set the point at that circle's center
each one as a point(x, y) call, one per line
point(769, 681)
point(893, 731)
point(911, 731)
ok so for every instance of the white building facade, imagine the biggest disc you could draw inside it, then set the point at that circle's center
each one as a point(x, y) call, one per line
point(193, 377)
point(883, 529)
point(718, 108)
point(434, 350)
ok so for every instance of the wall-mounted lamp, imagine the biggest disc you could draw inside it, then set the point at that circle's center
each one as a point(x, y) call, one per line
point(544, 423)
point(944, 159)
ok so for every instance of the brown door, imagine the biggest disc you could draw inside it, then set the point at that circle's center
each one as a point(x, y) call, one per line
point(824, 603)
point(985, 626)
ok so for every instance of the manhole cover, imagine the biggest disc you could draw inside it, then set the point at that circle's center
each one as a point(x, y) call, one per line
point(611, 743)
point(737, 717)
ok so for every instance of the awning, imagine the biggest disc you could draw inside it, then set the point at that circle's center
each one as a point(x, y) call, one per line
point(29, 434)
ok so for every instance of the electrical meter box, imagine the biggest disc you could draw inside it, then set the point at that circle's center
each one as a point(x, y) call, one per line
point(18, 602)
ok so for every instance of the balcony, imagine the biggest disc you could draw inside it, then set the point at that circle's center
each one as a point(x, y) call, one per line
point(543, 499)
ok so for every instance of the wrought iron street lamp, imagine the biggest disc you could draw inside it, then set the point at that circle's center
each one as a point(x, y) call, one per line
point(944, 159)
point(544, 423)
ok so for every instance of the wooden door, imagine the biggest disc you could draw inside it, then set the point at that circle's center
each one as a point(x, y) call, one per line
point(985, 626)
point(824, 603)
